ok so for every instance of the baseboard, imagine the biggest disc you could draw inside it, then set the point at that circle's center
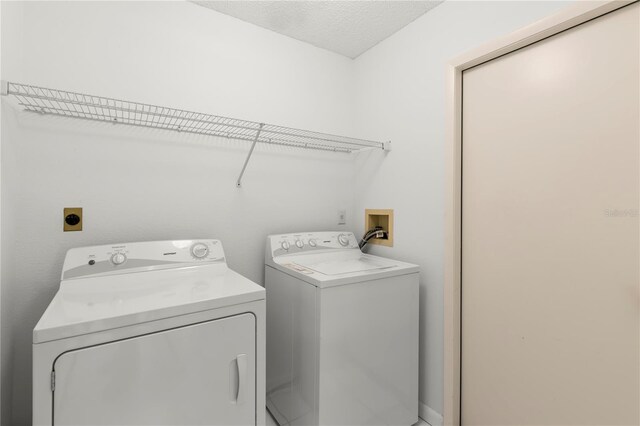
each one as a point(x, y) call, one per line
point(430, 415)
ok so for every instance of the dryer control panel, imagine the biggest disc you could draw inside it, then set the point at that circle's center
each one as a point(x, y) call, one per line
point(279, 245)
point(125, 257)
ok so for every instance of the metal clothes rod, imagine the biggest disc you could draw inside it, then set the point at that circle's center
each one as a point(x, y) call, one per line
point(77, 105)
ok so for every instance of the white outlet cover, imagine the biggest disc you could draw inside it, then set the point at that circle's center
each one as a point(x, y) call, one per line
point(342, 217)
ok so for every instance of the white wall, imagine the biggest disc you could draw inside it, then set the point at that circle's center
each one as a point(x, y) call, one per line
point(10, 54)
point(140, 184)
point(400, 94)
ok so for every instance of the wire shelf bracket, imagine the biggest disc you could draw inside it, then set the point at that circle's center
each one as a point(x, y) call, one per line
point(77, 105)
point(253, 145)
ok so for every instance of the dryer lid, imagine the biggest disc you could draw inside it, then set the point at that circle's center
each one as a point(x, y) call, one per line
point(95, 304)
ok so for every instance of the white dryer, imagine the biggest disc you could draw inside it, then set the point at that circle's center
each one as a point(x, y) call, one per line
point(342, 333)
point(153, 333)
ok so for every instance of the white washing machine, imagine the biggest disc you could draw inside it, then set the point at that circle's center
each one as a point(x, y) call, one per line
point(342, 333)
point(153, 333)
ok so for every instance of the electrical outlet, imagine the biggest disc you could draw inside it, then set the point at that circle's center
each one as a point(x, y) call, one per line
point(72, 218)
point(342, 217)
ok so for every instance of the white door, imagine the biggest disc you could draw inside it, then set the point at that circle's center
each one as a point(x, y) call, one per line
point(202, 374)
point(550, 253)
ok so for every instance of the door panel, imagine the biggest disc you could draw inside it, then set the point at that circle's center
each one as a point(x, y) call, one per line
point(550, 235)
point(202, 374)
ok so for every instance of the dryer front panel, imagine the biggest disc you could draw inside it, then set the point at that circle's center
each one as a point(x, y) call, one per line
point(202, 374)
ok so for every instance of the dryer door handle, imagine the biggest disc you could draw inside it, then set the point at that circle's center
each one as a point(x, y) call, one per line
point(241, 365)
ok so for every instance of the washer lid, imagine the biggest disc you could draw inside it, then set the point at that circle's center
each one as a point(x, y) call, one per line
point(90, 305)
point(340, 266)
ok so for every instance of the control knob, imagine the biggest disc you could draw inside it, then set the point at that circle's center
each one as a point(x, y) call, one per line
point(299, 244)
point(343, 240)
point(118, 258)
point(312, 243)
point(285, 245)
point(199, 250)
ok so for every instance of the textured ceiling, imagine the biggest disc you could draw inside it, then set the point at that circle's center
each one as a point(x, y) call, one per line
point(345, 27)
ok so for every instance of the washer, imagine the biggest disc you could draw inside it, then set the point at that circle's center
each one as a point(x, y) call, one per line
point(160, 333)
point(342, 333)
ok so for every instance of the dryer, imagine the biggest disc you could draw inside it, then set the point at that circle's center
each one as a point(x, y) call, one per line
point(160, 333)
point(342, 333)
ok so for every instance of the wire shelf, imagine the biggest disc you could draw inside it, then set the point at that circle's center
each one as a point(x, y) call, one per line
point(71, 104)
point(78, 105)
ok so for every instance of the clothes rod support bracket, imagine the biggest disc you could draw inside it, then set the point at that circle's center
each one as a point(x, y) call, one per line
point(253, 145)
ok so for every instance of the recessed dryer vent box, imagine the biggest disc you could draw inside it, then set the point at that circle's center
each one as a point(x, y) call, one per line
point(383, 218)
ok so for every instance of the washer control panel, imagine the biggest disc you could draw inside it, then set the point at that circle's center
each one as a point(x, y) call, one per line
point(126, 257)
point(278, 245)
